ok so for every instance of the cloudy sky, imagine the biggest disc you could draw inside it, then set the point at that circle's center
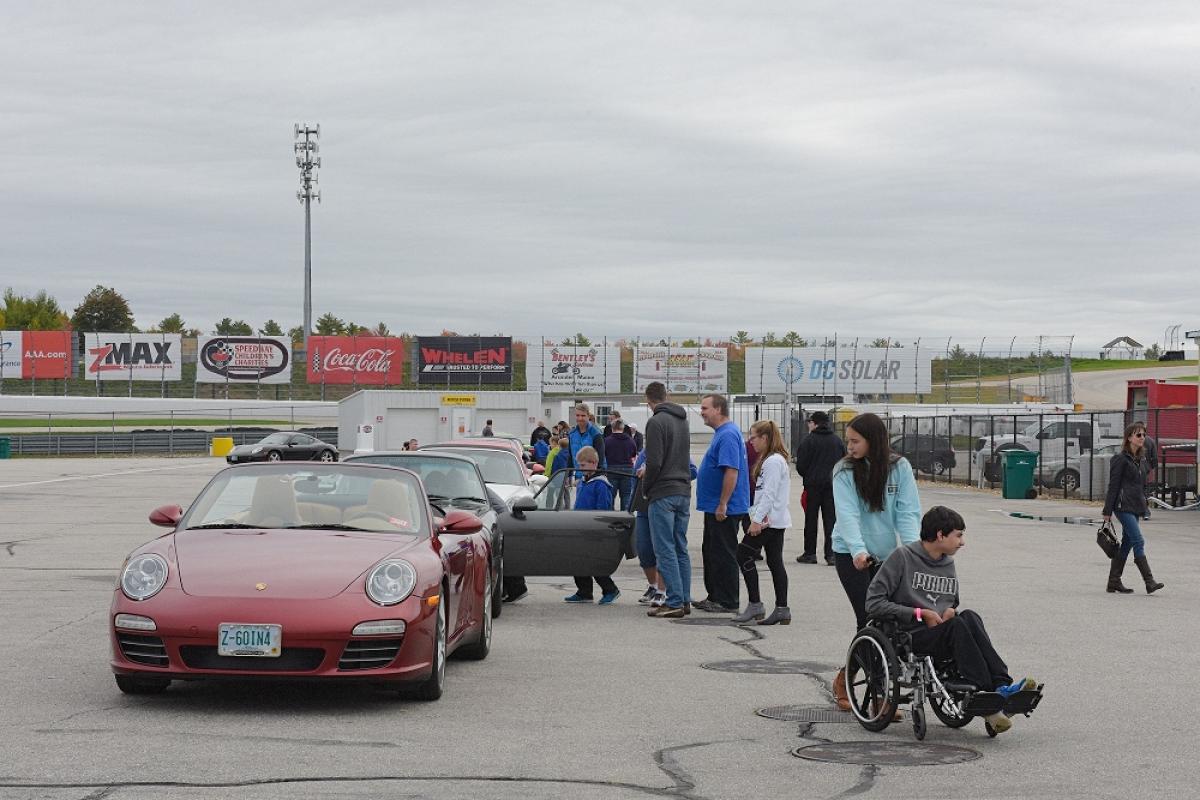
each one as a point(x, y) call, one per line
point(624, 168)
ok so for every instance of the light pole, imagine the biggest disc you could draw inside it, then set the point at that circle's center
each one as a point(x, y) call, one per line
point(308, 161)
point(1195, 337)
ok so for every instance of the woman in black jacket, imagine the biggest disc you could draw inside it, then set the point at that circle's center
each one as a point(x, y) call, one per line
point(1127, 498)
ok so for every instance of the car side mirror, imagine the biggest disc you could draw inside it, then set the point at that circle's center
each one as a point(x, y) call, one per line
point(166, 516)
point(537, 469)
point(461, 522)
point(525, 504)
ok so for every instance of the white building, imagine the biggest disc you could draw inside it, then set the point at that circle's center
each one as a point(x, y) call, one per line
point(394, 417)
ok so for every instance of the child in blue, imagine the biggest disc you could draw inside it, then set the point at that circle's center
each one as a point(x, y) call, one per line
point(541, 449)
point(594, 493)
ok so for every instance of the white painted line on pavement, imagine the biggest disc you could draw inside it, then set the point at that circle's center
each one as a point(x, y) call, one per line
point(100, 475)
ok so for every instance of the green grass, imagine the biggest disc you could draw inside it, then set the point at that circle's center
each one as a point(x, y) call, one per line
point(162, 422)
point(1105, 364)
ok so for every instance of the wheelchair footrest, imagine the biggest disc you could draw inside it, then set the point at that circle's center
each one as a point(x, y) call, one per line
point(1023, 702)
point(984, 703)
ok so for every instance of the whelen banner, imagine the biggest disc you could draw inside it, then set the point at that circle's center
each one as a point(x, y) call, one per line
point(30, 355)
point(243, 359)
point(682, 369)
point(839, 370)
point(570, 369)
point(365, 360)
point(472, 360)
point(131, 356)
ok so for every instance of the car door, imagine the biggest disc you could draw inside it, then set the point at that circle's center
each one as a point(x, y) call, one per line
point(459, 550)
point(548, 537)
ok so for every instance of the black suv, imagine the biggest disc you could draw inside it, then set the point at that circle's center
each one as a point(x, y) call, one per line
point(928, 453)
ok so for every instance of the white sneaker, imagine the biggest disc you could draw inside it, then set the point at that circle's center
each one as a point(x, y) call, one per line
point(648, 595)
point(658, 600)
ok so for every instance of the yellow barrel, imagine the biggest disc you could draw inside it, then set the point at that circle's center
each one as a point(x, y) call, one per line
point(221, 445)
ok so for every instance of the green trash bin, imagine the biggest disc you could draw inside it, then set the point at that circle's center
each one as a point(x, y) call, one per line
point(5, 447)
point(1019, 466)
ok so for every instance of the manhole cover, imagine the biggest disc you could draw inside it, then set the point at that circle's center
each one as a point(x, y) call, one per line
point(706, 621)
point(887, 754)
point(764, 667)
point(805, 714)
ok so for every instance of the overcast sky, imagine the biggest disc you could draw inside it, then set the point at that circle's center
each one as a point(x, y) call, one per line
point(621, 168)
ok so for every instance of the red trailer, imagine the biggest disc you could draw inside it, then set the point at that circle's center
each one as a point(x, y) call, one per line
point(1169, 411)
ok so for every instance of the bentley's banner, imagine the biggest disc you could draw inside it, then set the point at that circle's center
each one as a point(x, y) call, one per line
point(572, 369)
point(244, 359)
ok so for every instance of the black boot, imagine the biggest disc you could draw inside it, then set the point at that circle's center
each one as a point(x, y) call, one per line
point(1115, 568)
point(1143, 566)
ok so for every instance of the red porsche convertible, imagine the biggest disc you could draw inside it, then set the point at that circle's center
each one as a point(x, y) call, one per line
point(338, 572)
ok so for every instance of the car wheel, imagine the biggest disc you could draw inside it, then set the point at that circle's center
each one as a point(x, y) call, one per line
point(1068, 479)
point(433, 686)
point(937, 466)
point(131, 685)
point(274, 455)
point(327, 456)
point(479, 649)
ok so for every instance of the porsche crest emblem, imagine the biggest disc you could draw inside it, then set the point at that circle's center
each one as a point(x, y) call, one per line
point(260, 587)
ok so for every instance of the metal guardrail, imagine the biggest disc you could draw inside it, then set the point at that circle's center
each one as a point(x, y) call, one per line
point(133, 443)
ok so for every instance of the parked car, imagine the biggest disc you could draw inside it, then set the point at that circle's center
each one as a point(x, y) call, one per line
point(452, 481)
point(325, 571)
point(504, 471)
point(928, 453)
point(1064, 473)
point(283, 447)
point(1053, 438)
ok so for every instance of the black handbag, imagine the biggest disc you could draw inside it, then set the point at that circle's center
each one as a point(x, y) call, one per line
point(1106, 537)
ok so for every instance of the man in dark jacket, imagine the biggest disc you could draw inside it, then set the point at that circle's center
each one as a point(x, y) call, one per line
point(619, 452)
point(666, 484)
point(540, 434)
point(816, 457)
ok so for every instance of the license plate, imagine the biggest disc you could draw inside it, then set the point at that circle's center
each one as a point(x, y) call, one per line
point(238, 639)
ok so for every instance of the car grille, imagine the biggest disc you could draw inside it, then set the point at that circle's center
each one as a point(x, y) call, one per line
point(148, 650)
point(292, 659)
point(369, 653)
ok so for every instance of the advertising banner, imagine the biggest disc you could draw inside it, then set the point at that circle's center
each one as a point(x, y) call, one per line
point(682, 369)
point(132, 356)
point(29, 355)
point(840, 370)
point(568, 369)
point(443, 360)
point(244, 359)
point(363, 360)
point(11, 354)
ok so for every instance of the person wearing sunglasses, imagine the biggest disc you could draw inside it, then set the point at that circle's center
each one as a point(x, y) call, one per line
point(1126, 498)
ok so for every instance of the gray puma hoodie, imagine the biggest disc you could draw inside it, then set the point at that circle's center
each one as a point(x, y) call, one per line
point(910, 579)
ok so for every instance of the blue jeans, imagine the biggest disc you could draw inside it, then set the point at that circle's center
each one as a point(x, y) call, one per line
point(668, 531)
point(645, 546)
point(622, 487)
point(1131, 535)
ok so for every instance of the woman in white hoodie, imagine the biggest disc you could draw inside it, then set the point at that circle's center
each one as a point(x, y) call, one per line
point(769, 517)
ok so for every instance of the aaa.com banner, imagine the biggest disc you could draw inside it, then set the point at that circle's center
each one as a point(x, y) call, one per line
point(243, 359)
point(366, 360)
point(574, 370)
point(132, 356)
point(445, 360)
point(841, 370)
point(29, 355)
point(682, 369)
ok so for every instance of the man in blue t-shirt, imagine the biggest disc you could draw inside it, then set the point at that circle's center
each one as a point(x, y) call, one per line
point(723, 494)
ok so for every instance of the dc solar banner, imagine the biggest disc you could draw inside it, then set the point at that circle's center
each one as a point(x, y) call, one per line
point(682, 369)
point(30, 355)
point(470, 360)
point(839, 370)
point(132, 356)
point(365, 360)
point(243, 359)
point(570, 369)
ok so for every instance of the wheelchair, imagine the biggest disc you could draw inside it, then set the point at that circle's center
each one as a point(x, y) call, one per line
point(883, 674)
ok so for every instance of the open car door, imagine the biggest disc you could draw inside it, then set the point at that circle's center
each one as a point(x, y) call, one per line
point(546, 536)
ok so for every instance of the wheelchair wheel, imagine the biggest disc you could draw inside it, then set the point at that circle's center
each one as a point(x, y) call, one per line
point(919, 728)
point(950, 716)
point(872, 679)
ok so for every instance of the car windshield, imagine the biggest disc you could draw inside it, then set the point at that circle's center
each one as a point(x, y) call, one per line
point(445, 479)
point(496, 465)
point(277, 438)
point(335, 497)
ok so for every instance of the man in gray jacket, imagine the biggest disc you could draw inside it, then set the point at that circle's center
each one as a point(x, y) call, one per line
point(918, 587)
point(666, 485)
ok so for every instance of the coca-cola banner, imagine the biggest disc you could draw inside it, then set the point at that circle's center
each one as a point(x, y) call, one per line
point(29, 355)
point(367, 360)
point(571, 369)
point(682, 369)
point(471, 360)
point(243, 359)
point(132, 356)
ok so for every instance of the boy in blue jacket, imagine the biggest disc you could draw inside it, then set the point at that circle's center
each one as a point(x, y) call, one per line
point(594, 493)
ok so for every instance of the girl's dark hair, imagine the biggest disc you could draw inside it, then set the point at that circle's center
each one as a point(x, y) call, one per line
point(1130, 430)
point(871, 473)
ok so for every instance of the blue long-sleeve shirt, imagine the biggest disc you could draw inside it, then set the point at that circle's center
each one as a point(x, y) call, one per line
point(860, 530)
point(594, 493)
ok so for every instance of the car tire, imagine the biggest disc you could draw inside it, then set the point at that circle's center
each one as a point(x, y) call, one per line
point(432, 687)
point(937, 466)
point(131, 685)
point(328, 456)
point(479, 649)
point(274, 455)
point(1067, 480)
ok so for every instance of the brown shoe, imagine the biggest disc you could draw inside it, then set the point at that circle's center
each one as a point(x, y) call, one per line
point(840, 696)
point(667, 612)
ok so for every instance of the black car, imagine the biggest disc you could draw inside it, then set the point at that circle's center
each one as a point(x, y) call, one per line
point(283, 447)
point(928, 453)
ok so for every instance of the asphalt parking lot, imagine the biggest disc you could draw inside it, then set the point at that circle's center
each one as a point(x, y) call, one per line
point(591, 702)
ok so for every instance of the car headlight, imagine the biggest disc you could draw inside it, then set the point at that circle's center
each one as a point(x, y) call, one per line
point(391, 582)
point(143, 576)
point(257, 450)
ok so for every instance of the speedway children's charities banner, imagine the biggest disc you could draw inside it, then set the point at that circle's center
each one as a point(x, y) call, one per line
point(132, 356)
point(682, 369)
point(472, 360)
point(840, 370)
point(29, 355)
point(365, 360)
point(243, 359)
point(574, 370)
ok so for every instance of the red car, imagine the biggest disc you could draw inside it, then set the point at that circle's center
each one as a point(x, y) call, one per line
point(339, 572)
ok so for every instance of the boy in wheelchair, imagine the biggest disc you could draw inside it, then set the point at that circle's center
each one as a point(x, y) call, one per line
point(916, 589)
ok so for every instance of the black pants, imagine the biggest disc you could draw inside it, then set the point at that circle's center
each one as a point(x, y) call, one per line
point(584, 584)
point(769, 540)
point(513, 585)
point(855, 582)
point(820, 499)
point(965, 641)
point(719, 550)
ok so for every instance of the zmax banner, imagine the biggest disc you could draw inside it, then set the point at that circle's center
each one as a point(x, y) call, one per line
point(243, 359)
point(132, 356)
point(471, 360)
